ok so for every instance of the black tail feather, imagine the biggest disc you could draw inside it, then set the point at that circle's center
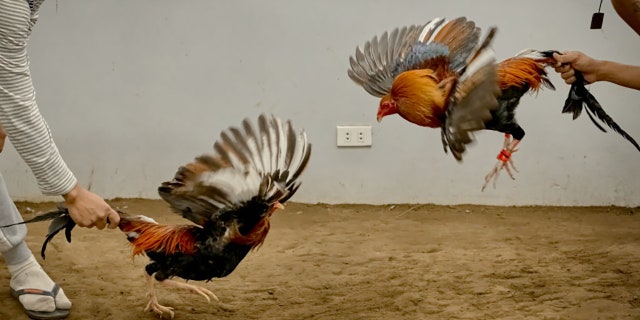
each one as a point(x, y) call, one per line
point(58, 224)
point(60, 220)
point(579, 96)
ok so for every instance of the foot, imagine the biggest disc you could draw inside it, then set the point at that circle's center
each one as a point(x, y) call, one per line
point(36, 291)
point(153, 304)
point(206, 293)
point(156, 307)
point(504, 162)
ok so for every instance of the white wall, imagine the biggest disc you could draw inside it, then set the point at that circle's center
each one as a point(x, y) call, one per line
point(133, 89)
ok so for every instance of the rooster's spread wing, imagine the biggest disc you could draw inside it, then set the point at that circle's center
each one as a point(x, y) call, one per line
point(249, 166)
point(413, 47)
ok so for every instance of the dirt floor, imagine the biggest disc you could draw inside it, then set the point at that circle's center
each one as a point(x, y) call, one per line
point(375, 262)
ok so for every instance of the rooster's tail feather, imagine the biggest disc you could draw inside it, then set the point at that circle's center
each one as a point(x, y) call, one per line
point(579, 96)
point(60, 221)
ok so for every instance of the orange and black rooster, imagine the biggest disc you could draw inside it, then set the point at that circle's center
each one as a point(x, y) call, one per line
point(435, 75)
point(525, 73)
point(229, 195)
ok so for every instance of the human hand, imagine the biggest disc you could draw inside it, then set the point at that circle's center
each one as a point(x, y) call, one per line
point(3, 137)
point(571, 61)
point(89, 210)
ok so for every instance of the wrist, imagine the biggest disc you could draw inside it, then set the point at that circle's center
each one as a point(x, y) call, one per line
point(72, 195)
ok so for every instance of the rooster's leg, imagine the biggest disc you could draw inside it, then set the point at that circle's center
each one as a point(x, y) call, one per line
point(153, 304)
point(510, 149)
point(191, 288)
point(504, 161)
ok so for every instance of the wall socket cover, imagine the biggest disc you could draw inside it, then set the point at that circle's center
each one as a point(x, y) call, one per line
point(354, 136)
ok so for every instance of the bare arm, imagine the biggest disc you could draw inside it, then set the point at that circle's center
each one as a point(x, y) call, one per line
point(620, 74)
point(597, 70)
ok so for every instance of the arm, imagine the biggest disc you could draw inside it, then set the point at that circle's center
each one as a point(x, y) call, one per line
point(620, 74)
point(30, 136)
point(29, 133)
point(596, 70)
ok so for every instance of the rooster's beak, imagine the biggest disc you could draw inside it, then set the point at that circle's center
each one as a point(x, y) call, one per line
point(278, 205)
point(379, 118)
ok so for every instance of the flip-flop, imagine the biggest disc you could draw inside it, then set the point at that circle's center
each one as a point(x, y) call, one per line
point(42, 315)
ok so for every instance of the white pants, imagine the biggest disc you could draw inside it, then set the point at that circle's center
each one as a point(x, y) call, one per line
point(11, 236)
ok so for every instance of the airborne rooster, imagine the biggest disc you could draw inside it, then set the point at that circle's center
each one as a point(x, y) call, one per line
point(229, 195)
point(433, 75)
point(525, 73)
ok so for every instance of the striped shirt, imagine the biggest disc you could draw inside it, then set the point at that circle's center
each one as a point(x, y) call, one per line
point(19, 113)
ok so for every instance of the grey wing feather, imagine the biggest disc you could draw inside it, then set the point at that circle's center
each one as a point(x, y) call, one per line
point(375, 67)
point(470, 114)
point(473, 101)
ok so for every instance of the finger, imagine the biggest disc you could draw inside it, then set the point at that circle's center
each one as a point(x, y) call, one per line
point(570, 80)
point(101, 223)
point(563, 68)
point(113, 220)
point(568, 75)
point(561, 58)
point(558, 59)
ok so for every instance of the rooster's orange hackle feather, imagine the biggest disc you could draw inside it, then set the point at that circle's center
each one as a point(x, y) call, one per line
point(255, 237)
point(419, 98)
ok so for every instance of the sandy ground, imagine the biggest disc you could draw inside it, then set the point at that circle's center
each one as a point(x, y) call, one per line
point(376, 262)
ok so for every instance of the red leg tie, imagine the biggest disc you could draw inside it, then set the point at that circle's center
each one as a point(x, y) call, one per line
point(504, 155)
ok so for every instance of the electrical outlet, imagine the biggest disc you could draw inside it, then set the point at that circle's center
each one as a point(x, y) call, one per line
point(354, 136)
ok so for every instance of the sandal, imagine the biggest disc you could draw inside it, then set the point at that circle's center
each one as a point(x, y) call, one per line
point(42, 315)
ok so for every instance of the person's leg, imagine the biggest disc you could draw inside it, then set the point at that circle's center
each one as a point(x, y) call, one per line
point(26, 274)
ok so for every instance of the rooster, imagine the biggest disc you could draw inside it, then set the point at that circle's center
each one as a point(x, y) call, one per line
point(526, 73)
point(433, 75)
point(230, 195)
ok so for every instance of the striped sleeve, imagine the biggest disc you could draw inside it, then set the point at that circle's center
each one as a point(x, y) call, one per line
point(32, 139)
point(19, 113)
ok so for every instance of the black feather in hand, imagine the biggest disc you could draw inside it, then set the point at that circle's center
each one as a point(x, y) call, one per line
point(60, 220)
point(579, 96)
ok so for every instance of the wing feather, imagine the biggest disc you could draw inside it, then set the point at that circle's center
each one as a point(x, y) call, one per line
point(249, 165)
point(375, 67)
point(473, 101)
point(382, 58)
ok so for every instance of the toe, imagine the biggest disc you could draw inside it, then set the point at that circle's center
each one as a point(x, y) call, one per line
point(62, 302)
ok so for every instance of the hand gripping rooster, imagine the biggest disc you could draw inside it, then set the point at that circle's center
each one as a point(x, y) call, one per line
point(229, 195)
point(525, 73)
point(433, 75)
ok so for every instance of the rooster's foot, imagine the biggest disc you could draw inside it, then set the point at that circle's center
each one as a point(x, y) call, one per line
point(504, 162)
point(206, 293)
point(159, 309)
